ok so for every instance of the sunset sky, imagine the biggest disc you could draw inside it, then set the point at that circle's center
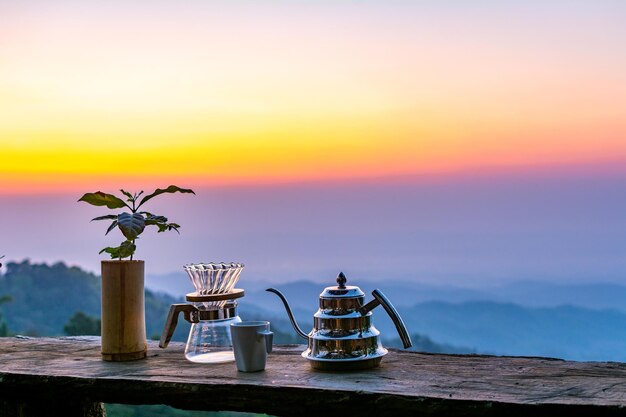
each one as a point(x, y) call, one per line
point(254, 92)
point(268, 94)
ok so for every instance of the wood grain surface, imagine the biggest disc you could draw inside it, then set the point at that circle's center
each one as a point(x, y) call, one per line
point(406, 383)
point(123, 310)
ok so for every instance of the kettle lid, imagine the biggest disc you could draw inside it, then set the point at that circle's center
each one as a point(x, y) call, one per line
point(342, 290)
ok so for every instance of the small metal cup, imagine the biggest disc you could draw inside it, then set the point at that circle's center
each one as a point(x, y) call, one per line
point(252, 341)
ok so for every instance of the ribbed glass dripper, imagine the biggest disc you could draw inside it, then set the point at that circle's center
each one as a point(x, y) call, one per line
point(214, 277)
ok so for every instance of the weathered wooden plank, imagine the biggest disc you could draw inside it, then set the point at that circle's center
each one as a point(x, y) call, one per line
point(450, 385)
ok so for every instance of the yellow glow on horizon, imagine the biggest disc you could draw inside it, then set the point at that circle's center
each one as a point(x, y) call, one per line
point(88, 94)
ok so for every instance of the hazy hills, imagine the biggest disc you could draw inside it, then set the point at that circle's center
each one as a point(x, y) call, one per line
point(403, 293)
point(581, 322)
point(44, 297)
point(565, 332)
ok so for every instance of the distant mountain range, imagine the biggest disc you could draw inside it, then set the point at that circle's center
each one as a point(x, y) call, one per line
point(506, 329)
point(403, 293)
point(531, 318)
point(44, 297)
point(580, 322)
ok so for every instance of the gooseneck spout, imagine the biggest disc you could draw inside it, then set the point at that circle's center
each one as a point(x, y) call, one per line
point(289, 313)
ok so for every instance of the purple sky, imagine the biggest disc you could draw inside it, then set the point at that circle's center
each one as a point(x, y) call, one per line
point(558, 227)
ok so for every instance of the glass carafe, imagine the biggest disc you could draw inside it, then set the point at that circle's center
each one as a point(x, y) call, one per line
point(210, 341)
point(212, 308)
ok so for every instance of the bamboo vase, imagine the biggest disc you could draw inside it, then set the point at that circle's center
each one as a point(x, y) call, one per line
point(123, 311)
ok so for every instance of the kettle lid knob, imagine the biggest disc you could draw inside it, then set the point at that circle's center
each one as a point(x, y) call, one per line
point(341, 290)
point(341, 280)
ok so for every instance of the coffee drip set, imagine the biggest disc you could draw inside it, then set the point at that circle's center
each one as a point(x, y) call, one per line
point(343, 337)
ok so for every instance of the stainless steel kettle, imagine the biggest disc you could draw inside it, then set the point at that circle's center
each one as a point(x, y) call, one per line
point(343, 337)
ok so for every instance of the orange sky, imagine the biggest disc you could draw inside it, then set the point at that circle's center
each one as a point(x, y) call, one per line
point(276, 91)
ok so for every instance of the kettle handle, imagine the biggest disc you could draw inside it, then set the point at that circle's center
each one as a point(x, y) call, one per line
point(172, 321)
point(379, 298)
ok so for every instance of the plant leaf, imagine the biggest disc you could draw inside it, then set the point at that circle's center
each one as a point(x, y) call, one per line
point(131, 225)
point(159, 191)
point(127, 194)
point(103, 199)
point(112, 251)
point(163, 227)
point(154, 220)
point(126, 249)
point(107, 217)
point(161, 223)
point(112, 226)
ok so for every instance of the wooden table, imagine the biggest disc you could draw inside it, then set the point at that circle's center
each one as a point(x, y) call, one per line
point(45, 376)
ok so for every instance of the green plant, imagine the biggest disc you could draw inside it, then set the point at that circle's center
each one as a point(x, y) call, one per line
point(131, 224)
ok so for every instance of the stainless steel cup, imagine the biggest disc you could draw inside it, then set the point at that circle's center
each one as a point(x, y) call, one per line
point(252, 341)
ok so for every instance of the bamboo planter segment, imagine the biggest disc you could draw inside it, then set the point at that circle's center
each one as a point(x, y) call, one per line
point(123, 312)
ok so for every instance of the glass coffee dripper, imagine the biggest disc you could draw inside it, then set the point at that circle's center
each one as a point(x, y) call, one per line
point(212, 309)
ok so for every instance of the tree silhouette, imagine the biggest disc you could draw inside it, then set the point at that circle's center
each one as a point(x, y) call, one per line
point(4, 329)
point(81, 324)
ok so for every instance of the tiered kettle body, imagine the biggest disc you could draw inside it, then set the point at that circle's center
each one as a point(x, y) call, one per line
point(343, 337)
